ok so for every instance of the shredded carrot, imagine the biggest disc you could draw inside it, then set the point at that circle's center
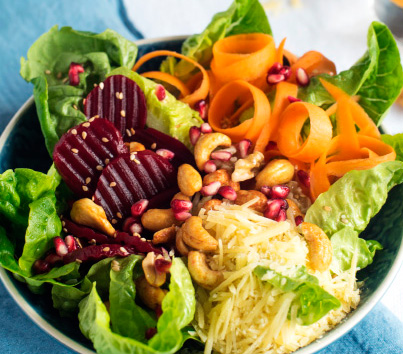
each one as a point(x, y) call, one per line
point(168, 78)
point(224, 103)
point(200, 93)
point(280, 52)
point(314, 63)
point(289, 132)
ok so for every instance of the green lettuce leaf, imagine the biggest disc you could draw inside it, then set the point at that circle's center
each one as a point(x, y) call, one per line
point(170, 116)
point(312, 301)
point(377, 77)
point(396, 141)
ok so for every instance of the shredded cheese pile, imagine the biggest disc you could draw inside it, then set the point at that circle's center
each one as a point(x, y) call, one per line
point(244, 314)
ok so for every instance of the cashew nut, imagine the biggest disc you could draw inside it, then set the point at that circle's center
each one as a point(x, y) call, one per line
point(246, 196)
point(86, 212)
point(180, 246)
point(149, 295)
point(180, 196)
point(206, 144)
point(195, 235)
point(153, 277)
point(248, 167)
point(275, 172)
point(201, 272)
point(189, 180)
point(211, 204)
point(135, 146)
point(166, 235)
point(319, 245)
point(223, 177)
point(158, 219)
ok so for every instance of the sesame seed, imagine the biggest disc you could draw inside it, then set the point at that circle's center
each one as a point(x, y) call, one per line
point(119, 215)
point(101, 85)
point(91, 119)
point(75, 107)
point(136, 234)
point(84, 100)
point(344, 221)
point(93, 198)
point(143, 239)
point(79, 261)
point(63, 223)
point(106, 161)
point(65, 80)
point(132, 157)
point(92, 241)
point(128, 132)
point(114, 221)
point(123, 113)
point(74, 151)
point(59, 75)
point(95, 85)
point(122, 249)
point(84, 135)
point(112, 184)
point(153, 146)
point(132, 131)
point(106, 249)
point(117, 94)
point(115, 266)
point(86, 125)
point(121, 96)
point(65, 230)
point(105, 140)
point(74, 131)
point(88, 180)
point(137, 161)
point(85, 188)
point(48, 72)
point(96, 116)
point(78, 242)
point(99, 168)
point(327, 208)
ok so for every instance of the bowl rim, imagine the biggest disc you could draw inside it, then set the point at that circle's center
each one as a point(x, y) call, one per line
point(318, 344)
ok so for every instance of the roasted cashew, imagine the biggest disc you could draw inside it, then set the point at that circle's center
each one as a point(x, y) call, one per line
point(319, 245)
point(275, 172)
point(189, 180)
point(248, 167)
point(86, 212)
point(180, 246)
point(211, 204)
point(195, 235)
point(158, 219)
point(151, 296)
point(246, 196)
point(221, 176)
point(201, 272)
point(153, 277)
point(135, 146)
point(206, 144)
point(166, 235)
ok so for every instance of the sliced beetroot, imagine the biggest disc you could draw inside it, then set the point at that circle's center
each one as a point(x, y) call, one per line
point(163, 200)
point(135, 242)
point(132, 177)
point(84, 232)
point(97, 252)
point(153, 139)
point(82, 153)
point(121, 101)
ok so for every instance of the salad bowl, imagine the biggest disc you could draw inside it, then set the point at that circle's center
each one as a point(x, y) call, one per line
point(22, 145)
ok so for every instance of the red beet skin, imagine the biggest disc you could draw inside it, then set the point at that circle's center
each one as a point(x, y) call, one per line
point(121, 101)
point(132, 177)
point(82, 153)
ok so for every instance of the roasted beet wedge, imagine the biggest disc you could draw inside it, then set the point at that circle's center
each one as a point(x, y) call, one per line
point(154, 139)
point(97, 252)
point(132, 177)
point(121, 101)
point(82, 153)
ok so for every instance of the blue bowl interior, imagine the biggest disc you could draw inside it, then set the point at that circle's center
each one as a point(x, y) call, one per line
point(25, 147)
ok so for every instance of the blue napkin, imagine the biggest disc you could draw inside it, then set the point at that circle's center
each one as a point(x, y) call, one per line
point(21, 23)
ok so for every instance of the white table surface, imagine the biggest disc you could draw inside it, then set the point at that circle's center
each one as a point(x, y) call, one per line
point(337, 28)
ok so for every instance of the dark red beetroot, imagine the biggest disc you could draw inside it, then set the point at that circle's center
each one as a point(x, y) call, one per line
point(153, 140)
point(97, 252)
point(121, 101)
point(82, 153)
point(132, 177)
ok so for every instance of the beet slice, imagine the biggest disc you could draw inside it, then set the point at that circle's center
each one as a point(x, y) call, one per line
point(121, 101)
point(136, 243)
point(82, 153)
point(153, 139)
point(97, 252)
point(163, 200)
point(129, 178)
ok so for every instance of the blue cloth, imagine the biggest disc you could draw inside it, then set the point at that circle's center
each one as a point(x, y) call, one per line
point(21, 23)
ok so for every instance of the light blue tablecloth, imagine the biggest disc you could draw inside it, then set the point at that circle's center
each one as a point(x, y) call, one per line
point(21, 22)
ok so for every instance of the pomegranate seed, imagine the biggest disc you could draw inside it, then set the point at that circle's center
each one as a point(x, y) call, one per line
point(293, 99)
point(302, 77)
point(139, 207)
point(162, 265)
point(282, 216)
point(160, 92)
point(273, 208)
point(275, 78)
point(182, 215)
point(205, 128)
point(40, 266)
point(304, 178)
point(211, 189)
point(70, 243)
point(275, 69)
point(128, 222)
point(210, 167)
point(286, 71)
point(221, 155)
point(299, 219)
point(158, 311)
point(74, 70)
point(280, 191)
point(168, 154)
point(201, 107)
point(60, 246)
point(151, 332)
point(227, 192)
point(135, 228)
point(194, 134)
point(266, 190)
point(178, 205)
point(243, 147)
point(272, 145)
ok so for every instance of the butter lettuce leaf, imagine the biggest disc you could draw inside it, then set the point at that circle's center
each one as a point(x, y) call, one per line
point(170, 116)
point(377, 77)
point(396, 141)
point(312, 301)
